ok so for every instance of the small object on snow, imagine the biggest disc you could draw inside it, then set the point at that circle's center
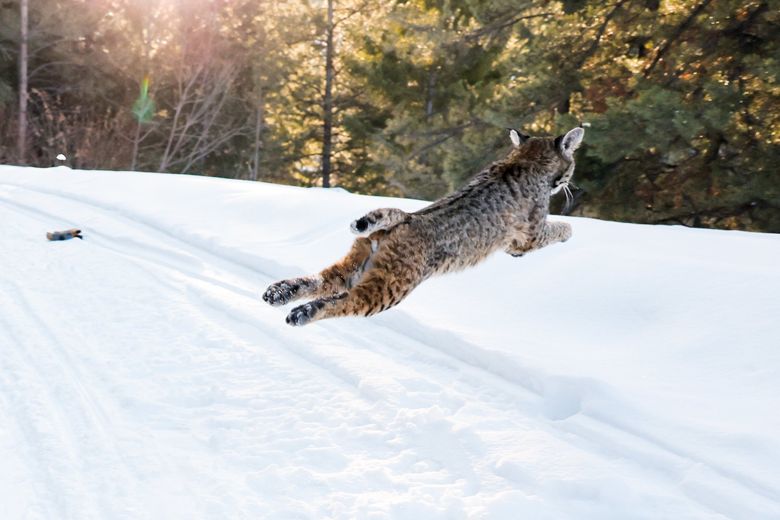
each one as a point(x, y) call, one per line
point(64, 235)
point(61, 157)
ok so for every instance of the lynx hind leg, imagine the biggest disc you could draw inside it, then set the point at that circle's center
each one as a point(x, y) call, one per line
point(377, 292)
point(332, 280)
point(377, 219)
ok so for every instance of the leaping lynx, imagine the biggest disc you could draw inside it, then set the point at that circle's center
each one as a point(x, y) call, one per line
point(504, 207)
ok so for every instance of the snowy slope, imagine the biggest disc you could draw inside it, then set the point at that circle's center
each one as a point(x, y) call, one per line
point(633, 372)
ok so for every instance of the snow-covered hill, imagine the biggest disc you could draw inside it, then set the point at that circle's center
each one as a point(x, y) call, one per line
point(632, 372)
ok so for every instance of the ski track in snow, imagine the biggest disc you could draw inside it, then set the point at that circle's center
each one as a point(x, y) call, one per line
point(217, 409)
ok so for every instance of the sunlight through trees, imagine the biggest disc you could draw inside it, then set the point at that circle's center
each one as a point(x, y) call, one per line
point(409, 97)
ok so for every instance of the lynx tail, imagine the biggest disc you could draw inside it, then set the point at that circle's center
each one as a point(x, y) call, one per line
point(378, 219)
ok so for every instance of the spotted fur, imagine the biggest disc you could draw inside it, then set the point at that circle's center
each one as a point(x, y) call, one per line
point(504, 207)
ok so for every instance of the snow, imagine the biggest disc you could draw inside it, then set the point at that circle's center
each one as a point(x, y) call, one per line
point(632, 372)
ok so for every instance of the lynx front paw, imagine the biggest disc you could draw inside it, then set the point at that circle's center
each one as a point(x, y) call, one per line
point(280, 293)
point(303, 314)
point(566, 232)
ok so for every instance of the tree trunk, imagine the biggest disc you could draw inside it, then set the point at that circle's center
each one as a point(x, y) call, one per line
point(259, 123)
point(327, 105)
point(22, 139)
point(430, 93)
point(136, 141)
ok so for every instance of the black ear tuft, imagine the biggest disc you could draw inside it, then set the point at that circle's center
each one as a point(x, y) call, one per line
point(558, 141)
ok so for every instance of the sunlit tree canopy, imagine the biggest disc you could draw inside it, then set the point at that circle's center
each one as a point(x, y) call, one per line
point(409, 97)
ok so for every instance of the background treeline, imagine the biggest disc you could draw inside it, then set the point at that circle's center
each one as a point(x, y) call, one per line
point(409, 97)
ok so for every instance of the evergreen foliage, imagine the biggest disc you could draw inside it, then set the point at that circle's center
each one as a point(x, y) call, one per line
point(682, 95)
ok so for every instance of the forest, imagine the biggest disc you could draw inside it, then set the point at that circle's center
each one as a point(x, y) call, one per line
point(409, 97)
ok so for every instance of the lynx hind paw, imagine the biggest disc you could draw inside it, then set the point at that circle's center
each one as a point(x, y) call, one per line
point(303, 314)
point(280, 293)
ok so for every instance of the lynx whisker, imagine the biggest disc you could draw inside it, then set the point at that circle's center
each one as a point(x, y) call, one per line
point(569, 198)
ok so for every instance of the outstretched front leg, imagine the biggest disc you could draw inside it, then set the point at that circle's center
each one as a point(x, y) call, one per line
point(551, 233)
point(333, 280)
point(377, 292)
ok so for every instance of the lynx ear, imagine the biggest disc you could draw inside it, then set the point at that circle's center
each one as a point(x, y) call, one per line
point(568, 143)
point(516, 137)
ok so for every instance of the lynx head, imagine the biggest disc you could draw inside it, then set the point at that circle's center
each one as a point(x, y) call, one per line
point(555, 153)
